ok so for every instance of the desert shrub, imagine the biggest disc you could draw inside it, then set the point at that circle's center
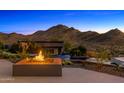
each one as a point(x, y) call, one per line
point(10, 56)
point(23, 55)
point(102, 56)
point(65, 62)
point(91, 53)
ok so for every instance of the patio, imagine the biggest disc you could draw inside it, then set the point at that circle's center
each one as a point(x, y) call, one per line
point(70, 75)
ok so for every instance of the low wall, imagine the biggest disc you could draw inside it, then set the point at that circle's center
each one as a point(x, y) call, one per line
point(37, 70)
point(105, 68)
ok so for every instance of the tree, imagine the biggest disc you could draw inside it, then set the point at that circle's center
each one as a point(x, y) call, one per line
point(67, 47)
point(32, 48)
point(82, 50)
point(23, 50)
point(1, 46)
point(14, 48)
point(79, 51)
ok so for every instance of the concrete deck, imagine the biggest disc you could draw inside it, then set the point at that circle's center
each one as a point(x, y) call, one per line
point(70, 75)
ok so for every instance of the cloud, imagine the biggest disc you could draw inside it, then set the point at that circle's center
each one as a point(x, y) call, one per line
point(70, 14)
point(92, 12)
point(103, 12)
point(74, 12)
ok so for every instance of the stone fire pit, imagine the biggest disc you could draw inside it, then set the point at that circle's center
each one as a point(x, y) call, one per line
point(48, 67)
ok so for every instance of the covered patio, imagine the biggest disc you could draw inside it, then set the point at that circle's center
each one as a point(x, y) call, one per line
point(52, 47)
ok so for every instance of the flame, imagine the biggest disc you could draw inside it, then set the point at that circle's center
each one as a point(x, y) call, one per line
point(39, 57)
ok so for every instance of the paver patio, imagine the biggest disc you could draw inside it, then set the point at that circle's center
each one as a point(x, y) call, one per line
point(70, 75)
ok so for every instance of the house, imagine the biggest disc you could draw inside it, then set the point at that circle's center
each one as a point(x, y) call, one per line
point(53, 47)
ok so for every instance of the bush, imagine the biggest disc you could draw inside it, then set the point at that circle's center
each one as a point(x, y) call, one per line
point(91, 53)
point(103, 55)
point(10, 56)
point(66, 62)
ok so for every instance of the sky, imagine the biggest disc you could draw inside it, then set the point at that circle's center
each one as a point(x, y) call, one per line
point(29, 21)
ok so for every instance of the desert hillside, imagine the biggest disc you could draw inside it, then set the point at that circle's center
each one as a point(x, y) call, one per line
point(71, 35)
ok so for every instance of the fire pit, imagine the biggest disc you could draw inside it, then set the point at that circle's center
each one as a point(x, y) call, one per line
point(38, 66)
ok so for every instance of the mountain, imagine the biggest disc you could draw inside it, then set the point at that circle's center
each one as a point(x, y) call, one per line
point(11, 38)
point(113, 36)
point(89, 39)
point(58, 32)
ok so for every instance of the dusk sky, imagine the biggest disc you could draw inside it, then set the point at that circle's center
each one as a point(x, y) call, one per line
point(28, 21)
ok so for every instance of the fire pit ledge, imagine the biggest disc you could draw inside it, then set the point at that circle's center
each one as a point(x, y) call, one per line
point(38, 69)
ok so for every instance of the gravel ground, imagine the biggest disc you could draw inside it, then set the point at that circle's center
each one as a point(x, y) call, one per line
point(70, 75)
